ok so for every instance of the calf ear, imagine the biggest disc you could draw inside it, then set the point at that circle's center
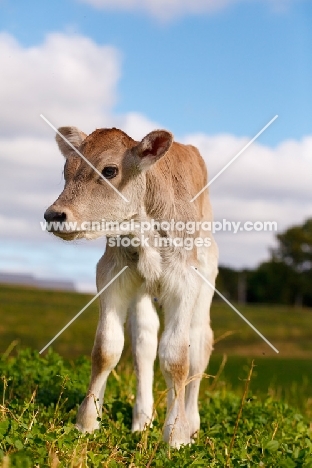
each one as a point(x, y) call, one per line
point(74, 136)
point(153, 147)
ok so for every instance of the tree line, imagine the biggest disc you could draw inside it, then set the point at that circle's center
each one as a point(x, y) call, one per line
point(286, 278)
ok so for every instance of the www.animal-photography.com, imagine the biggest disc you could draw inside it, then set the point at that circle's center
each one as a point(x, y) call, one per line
point(156, 233)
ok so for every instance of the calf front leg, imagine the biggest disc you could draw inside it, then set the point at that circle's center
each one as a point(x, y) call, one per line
point(144, 325)
point(107, 349)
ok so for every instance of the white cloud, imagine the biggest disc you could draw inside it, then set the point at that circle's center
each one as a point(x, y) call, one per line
point(67, 78)
point(135, 124)
point(165, 9)
point(272, 184)
point(261, 172)
point(168, 9)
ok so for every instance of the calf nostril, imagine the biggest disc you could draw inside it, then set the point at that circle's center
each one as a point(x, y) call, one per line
point(60, 216)
point(54, 216)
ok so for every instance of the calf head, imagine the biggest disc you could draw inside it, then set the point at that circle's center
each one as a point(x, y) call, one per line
point(87, 197)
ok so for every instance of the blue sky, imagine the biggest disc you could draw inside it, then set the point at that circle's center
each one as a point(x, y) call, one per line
point(213, 78)
point(229, 71)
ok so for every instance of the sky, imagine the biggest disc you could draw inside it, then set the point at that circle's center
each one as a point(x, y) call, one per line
point(213, 73)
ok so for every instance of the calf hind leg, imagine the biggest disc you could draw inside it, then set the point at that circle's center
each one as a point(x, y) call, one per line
point(201, 345)
point(174, 356)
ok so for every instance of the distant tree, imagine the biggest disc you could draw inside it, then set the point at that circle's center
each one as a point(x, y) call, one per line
point(285, 279)
point(272, 282)
point(227, 280)
point(295, 251)
point(232, 283)
point(295, 247)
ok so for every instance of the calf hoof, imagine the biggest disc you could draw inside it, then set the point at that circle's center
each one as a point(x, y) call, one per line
point(87, 428)
point(194, 424)
point(177, 434)
point(87, 417)
point(141, 420)
point(140, 425)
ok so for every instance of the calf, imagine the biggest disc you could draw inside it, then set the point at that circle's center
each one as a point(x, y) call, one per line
point(158, 178)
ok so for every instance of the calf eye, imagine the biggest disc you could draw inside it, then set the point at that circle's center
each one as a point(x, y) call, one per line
point(109, 172)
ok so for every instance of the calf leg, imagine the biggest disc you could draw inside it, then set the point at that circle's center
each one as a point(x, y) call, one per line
point(108, 345)
point(174, 358)
point(144, 325)
point(201, 344)
point(201, 335)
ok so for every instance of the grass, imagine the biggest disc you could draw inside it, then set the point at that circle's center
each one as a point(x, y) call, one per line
point(40, 398)
point(40, 395)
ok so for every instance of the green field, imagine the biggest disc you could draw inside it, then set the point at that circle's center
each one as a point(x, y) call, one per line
point(273, 429)
point(34, 316)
